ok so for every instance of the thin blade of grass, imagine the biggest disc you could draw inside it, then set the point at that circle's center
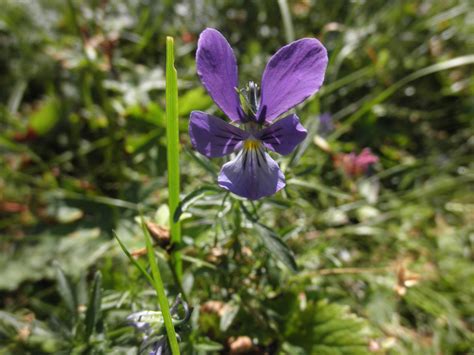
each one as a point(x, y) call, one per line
point(133, 261)
point(93, 313)
point(65, 289)
point(172, 135)
point(287, 23)
point(160, 292)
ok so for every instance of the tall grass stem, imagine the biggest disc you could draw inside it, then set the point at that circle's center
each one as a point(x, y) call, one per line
point(160, 292)
point(172, 134)
point(287, 22)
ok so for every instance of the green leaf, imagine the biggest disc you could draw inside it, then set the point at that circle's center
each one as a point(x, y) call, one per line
point(152, 113)
point(325, 328)
point(65, 289)
point(40, 335)
point(46, 117)
point(154, 318)
point(205, 344)
point(195, 99)
point(288, 349)
point(230, 312)
point(205, 163)
point(276, 246)
point(93, 309)
point(134, 143)
point(191, 198)
point(75, 252)
point(63, 213)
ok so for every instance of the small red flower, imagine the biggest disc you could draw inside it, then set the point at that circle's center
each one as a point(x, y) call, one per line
point(356, 165)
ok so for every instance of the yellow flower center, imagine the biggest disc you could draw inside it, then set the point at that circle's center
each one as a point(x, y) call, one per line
point(252, 144)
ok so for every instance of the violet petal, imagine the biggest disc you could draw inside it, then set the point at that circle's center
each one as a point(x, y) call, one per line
point(217, 69)
point(293, 74)
point(212, 136)
point(283, 136)
point(252, 174)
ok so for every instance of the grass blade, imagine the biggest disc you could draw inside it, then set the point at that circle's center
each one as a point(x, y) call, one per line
point(287, 23)
point(276, 246)
point(93, 309)
point(160, 291)
point(65, 289)
point(172, 135)
point(272, 242)
point(133, 261)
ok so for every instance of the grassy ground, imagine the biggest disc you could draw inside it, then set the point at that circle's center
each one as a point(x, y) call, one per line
point(385, 260)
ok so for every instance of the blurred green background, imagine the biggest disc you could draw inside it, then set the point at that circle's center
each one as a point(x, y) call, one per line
point(385, 261)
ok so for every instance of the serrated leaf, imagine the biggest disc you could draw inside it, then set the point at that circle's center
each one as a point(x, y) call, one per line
point(325, 328)
point(93, 309)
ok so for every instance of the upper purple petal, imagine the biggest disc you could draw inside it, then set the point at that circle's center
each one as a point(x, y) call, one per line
point(283, 136)
point(293, 74)
point(252, 174)
point(217, 69)
point(212, 136)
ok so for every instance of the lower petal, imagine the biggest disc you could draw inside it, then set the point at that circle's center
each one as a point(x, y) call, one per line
point(252, 174)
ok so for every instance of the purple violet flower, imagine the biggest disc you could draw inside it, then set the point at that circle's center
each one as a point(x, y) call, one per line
point(293, 74)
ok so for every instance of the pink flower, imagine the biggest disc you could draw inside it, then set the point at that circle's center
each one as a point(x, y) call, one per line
point(356, 165)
